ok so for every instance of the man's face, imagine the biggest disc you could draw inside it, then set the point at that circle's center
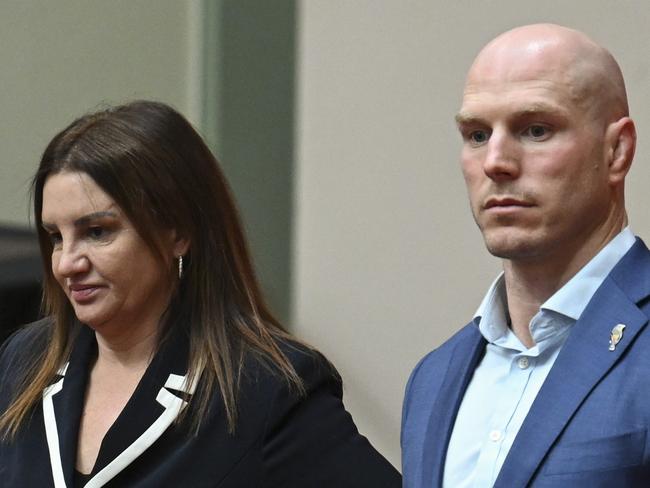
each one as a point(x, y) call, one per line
point(533, 159)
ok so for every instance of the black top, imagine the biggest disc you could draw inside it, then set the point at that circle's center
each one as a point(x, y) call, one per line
point(283, 439)
point(81, 479)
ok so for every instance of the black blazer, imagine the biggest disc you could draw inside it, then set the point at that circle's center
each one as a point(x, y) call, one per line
point(282, 439)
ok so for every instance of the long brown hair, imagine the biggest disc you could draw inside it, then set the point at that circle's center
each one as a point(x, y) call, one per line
point(156, 167)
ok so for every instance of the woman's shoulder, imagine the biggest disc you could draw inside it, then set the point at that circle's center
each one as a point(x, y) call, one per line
point(305, 358)
point(27, 340)
point(24, 345)
point(18, 352)
point(308, 438)
point(311, 367)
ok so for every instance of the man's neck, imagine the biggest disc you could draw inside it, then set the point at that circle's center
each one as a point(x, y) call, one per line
point(529, 283)
point(526, 290)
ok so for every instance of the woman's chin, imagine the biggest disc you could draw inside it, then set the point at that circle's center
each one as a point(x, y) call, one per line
point(93, 320)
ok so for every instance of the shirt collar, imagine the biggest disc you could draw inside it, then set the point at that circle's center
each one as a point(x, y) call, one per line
point(570, 300)
point(492, 313)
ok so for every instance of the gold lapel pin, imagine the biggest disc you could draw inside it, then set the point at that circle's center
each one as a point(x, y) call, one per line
point(616, 336)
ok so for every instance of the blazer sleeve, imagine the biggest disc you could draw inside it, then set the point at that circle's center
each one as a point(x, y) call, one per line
point(311, 440)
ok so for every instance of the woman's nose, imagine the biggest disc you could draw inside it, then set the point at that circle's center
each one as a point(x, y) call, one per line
point(69, 261)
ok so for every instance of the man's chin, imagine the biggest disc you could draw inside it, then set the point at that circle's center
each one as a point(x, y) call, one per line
point(511, 248)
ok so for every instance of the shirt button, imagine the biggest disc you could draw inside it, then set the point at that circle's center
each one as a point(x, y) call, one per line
point(523, 362)
point(495, 435)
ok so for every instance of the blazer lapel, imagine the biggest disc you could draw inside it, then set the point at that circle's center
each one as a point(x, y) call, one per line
point(585, 358)
point(63, 407)
point(462, 364)
point(161, 395)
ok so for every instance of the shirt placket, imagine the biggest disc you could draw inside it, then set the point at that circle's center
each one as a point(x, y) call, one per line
point(499, 437)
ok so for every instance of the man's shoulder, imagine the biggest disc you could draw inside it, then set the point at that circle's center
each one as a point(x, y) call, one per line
point(634, 267)
point(442, 353)
point(631, 277)
point(431, 370)
point(427, 379)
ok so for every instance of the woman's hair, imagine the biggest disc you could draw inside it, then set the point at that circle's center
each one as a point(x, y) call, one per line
point(154, 165)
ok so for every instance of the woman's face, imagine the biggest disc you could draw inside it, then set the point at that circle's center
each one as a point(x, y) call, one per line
point(112, 279)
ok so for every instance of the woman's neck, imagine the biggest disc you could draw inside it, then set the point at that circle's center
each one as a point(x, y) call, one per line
point(133, 348)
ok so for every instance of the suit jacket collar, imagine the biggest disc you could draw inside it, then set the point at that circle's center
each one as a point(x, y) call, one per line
point(152, 408)
point(584, 359)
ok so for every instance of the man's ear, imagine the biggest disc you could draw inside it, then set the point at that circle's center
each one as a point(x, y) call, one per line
point(620, 140)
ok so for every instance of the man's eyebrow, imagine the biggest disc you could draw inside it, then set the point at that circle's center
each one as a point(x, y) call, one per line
point(81, 221)
point(465, 118)
point(468, 118)
point(541, 108)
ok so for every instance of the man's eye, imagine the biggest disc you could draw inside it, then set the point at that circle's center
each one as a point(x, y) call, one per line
point(538, 132)
point(478, 137)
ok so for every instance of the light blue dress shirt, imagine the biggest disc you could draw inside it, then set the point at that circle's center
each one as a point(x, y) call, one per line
point(509, 376)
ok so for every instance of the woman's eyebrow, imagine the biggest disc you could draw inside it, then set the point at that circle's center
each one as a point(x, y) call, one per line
point(81, 221)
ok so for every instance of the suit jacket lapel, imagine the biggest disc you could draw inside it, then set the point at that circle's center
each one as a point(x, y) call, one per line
point(462, 364)
point(585, 358)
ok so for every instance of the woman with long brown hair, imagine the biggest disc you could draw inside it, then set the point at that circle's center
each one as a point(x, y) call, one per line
point(158, 362)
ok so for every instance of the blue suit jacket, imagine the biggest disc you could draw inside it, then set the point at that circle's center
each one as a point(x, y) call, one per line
point(588, 426)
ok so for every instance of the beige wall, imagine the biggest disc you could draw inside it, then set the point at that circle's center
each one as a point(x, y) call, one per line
point(62, 58)
point(388, 261)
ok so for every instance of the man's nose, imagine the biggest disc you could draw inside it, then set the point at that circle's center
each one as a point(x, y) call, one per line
point(502, 159)
point(71, 260)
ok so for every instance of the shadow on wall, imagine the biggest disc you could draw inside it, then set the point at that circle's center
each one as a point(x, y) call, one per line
point(20, 279)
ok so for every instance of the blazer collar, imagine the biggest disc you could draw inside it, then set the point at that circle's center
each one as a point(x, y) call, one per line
point(584, 359)
point(632, 273)
point(464, 359)
point(158, 399)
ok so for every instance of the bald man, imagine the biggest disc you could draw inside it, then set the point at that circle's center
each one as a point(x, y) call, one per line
point(549, 385)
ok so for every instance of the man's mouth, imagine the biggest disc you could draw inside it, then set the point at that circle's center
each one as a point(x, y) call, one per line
point(506, 203)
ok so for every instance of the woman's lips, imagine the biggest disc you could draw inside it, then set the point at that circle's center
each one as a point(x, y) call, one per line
point(83, 293)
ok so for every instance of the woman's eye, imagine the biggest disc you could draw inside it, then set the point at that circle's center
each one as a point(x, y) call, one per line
point(55, 238)
point(96, 232)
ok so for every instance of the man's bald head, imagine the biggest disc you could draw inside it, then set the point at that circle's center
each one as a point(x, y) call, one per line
point(559, 54)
